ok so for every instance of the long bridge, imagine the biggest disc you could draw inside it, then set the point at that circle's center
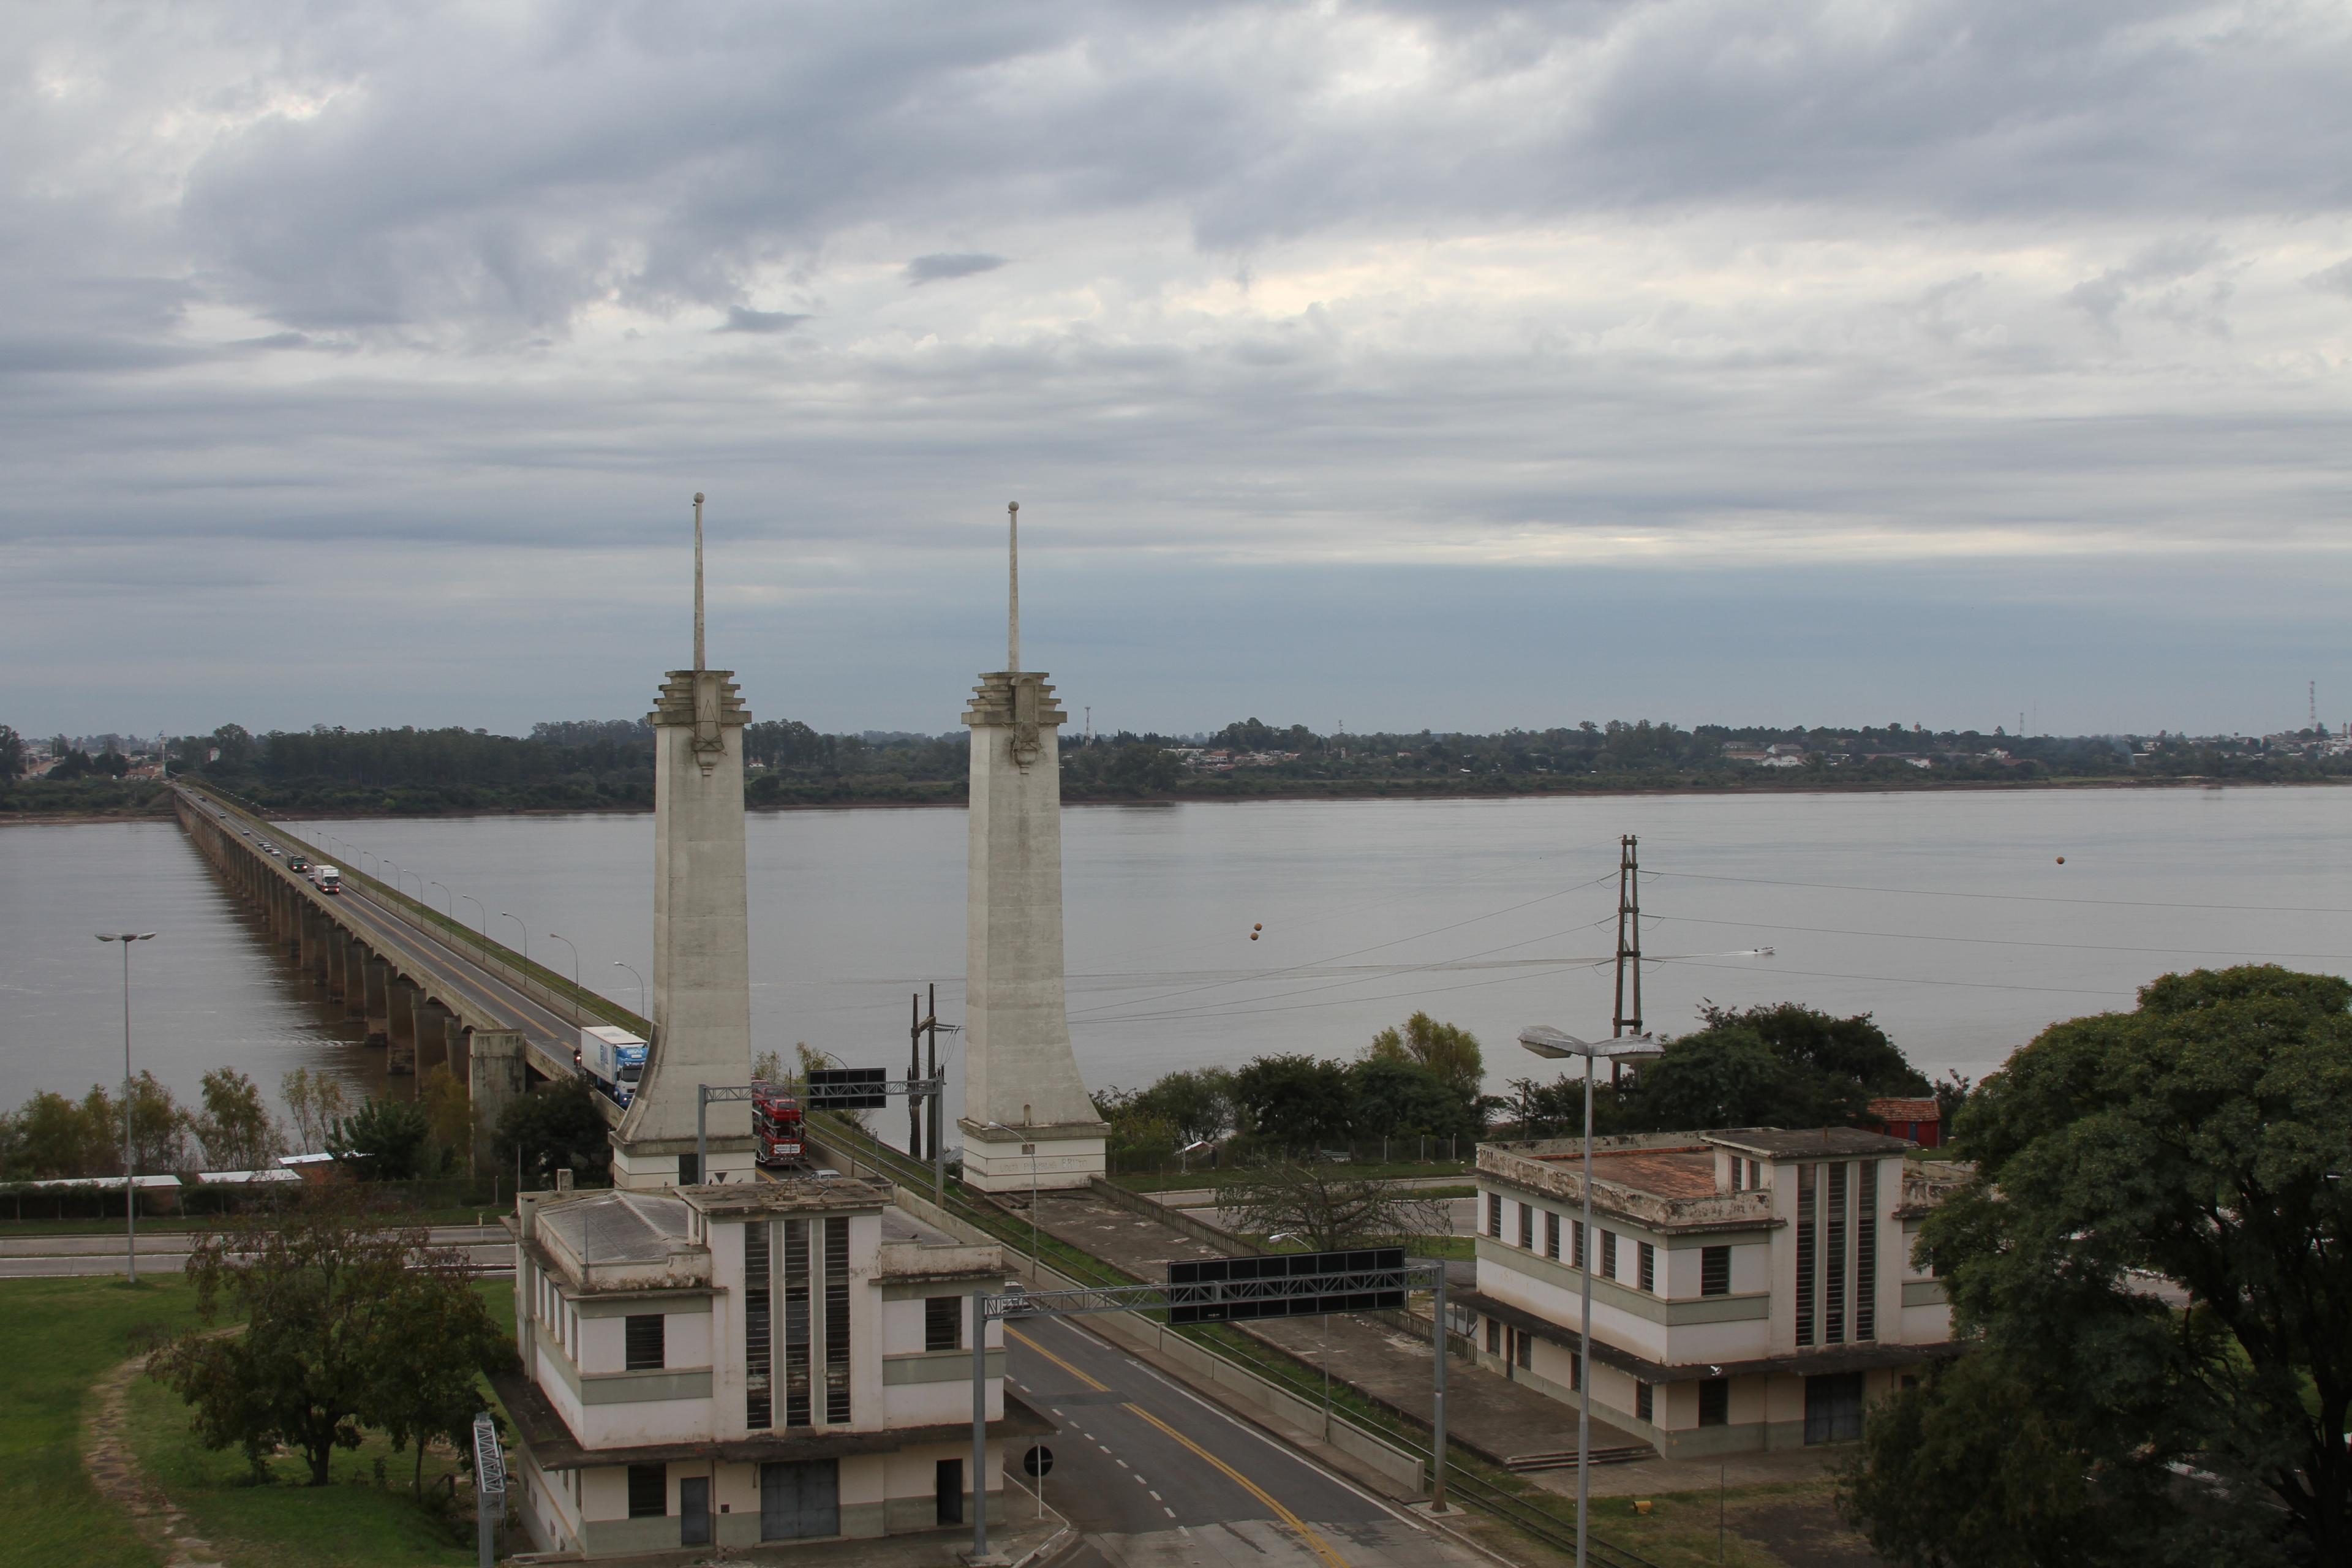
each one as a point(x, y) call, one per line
point(434, 992)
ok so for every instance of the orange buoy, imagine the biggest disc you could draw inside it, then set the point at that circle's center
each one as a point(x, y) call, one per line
point(2061, 859)
point(1260, 926)
point(1253, 936)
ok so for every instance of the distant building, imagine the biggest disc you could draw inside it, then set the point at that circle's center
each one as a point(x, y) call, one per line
point(724, 1366)
point(1921, 1120)
point(1751, 1288)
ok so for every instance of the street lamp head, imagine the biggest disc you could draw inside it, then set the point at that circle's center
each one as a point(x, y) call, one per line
point(1556, 1044)
point(126, 936)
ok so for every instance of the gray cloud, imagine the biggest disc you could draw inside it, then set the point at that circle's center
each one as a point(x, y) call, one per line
point(950, 264)
point(1694, 287)
point(740, 320)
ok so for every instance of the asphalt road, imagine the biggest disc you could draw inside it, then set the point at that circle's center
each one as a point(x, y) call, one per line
point(1154, 1477)
point(166, 1252)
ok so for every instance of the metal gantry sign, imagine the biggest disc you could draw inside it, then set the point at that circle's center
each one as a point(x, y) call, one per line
point(1363, 1280)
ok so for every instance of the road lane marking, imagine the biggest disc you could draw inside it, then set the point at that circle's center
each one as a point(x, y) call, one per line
point(1314, 1541)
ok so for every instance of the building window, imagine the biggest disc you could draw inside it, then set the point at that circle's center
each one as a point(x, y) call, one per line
point(1575, 1373)
point(1494, 1216)
point(1493, 1337)
point(1715, 1271)
point(1577, 1228)
point(1528, 1226)
point(758, 1343)
point(1551, 1236)
point(1834, 1258)
point(1715, 1401)
point(943, 1322)
point(948, 1484)
point(649, 1491)
point(1608, 1255)
point(642, 1341)
point(1645, 1402)
point(1738, 1170)
point(1805, 1250)
point(796, 1323)
point(836, 1320)
point(1647, 1262)
point(1755, 1174)
point(1866, 1252)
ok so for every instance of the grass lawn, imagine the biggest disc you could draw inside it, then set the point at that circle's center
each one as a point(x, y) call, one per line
point(354, 1522)
point(63, 1335)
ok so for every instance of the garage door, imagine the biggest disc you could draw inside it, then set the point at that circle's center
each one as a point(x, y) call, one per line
point(799, 1500)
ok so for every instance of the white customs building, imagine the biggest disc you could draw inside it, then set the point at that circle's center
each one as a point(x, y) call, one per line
point(1751, 1288)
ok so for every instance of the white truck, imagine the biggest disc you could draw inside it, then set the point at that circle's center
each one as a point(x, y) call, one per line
point(613, 1058)
point(327, 878)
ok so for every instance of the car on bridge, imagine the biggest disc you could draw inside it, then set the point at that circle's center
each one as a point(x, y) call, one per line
point(295, 863)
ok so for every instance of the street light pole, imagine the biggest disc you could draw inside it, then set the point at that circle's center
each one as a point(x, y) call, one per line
point(506, 915)
point(130, 1171)
point(1550, 1043)
point(566, 941)
point(641, 988)
point(451, 897)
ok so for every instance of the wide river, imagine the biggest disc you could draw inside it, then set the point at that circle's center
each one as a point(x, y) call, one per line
point(1948, 916)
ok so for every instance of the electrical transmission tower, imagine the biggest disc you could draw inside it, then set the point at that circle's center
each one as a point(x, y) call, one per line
point(1629, 942)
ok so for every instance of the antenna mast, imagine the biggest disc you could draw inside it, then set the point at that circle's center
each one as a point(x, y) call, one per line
point(1013, 613)
point(699, 661)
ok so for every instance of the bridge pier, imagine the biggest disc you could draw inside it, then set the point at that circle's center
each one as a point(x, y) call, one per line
point(432, 1023)
point(494, 1078)
point(401, 1031)
point(355, 962)
point(306, 921)
point(375, 998)
point(332, 941)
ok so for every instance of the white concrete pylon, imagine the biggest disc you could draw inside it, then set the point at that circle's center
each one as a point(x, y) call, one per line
point(1027, 1117)
point(702, 969)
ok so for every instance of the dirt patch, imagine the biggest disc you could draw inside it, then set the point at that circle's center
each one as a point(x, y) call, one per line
point(105, 1450)
point(1805, 1535)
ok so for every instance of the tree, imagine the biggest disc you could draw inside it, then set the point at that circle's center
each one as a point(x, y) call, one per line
point(51, 1137)
point(1451, 1053)
point(1394, 1099)
point(346, 1324)
point(235, 1127)
point(1324, 1208)
point(557, 1129)
point(431, 1341)
point(314, 1103)
point(12, 753)
point(1197, 1106)
point(1293, 1101)
point(391, 1135)
point(2200, 1140)
point(449, 1112)
point(1780, 1065)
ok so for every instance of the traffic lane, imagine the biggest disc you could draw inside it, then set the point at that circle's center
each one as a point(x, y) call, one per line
point(460, 970)
point(1178, 1427)
point(1087, 1483)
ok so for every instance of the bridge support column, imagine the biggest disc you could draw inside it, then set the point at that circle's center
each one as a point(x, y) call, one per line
point(336, 976)
point(433, 1021)
point(310, 922)
point(401, 1031)
point(494, 1077)
point(355, 962)
point(375, 998)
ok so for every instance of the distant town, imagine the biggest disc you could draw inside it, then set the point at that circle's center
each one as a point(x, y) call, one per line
point(608, 765)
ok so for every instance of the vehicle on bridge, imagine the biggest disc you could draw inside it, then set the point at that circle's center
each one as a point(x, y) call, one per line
point(295, 863)
point(329, 880)
point(776, 1128)
point(613, 1060)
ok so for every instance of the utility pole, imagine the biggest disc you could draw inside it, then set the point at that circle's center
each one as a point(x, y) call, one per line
point(914, 1071)
point(1629, 944)
point(928, 1025)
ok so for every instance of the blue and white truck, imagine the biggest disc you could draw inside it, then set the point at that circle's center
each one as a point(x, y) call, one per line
point(614, 1059)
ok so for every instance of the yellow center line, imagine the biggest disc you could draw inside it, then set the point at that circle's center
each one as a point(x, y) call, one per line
point(1307, 1533)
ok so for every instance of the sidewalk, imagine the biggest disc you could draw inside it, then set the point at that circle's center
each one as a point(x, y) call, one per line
point(1498, 1419)
point(1022, 1540)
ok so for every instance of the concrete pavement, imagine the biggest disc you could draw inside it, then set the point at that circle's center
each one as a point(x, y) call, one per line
point(1151, 1475)
point(485, 1247)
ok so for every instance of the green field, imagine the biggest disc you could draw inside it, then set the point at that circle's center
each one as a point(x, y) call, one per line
point(65, 1334)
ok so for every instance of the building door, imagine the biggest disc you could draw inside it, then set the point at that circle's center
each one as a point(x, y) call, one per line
point(950, 1484)
point(799, 1500)
point(1834, 1408)
point(694, 1510)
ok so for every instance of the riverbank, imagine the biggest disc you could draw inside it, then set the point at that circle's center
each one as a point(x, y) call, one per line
point(154, 804)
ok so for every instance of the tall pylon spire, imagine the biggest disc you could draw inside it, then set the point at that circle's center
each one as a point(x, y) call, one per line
point(1013, 606)
point(699, 662)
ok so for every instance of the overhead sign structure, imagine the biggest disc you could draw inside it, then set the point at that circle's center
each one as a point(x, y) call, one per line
point(848, 1089)
point(1293, 1285)
point(489, 1487)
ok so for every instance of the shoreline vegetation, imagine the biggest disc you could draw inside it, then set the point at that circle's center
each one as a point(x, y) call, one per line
point(606, 765)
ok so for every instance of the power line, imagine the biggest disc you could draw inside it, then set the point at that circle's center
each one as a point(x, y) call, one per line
point(1908, 980)
point(2016, 897)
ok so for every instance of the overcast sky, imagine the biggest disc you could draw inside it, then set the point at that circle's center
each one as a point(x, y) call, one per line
point(1401, 365)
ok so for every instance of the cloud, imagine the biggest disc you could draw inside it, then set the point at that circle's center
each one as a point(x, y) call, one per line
point(2336, 280)
point(740, 320)
point(950, 264)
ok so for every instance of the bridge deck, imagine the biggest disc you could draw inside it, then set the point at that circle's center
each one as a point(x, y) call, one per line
point(489, 989)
